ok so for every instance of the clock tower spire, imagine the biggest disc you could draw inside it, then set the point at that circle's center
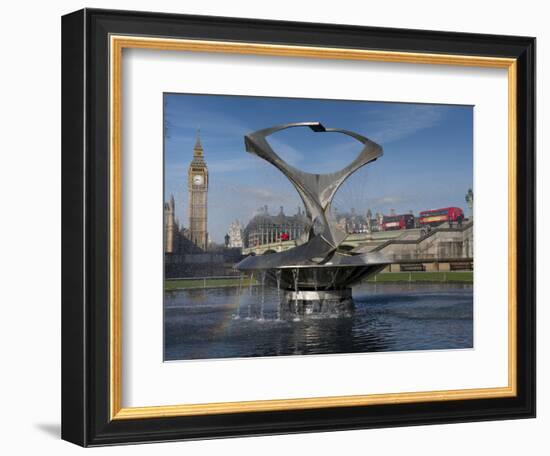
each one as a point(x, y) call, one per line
point(197, 184)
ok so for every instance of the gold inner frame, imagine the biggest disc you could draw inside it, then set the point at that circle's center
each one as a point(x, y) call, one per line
point(117, 44)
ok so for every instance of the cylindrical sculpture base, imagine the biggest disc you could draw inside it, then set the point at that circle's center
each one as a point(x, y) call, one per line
point(311, 302)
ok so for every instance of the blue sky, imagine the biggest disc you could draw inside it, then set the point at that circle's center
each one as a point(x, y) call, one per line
point(427, 161)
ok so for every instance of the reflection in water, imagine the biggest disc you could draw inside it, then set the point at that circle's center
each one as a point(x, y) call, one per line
point(236, 322)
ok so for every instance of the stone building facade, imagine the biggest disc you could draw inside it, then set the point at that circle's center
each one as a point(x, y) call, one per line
point(171, 228)
point(235, 234)
point(353, 222)
point(197, 184)
point(176, 237)
point(265, 228)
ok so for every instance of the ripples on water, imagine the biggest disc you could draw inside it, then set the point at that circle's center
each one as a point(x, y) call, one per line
point(214, 323)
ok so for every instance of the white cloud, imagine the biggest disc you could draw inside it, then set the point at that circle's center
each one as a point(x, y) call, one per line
point(231, 165)
point(386, 126)
point(285, 151)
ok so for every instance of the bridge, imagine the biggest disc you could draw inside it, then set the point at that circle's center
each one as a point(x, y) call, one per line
point(443, 248)
point(353, 240)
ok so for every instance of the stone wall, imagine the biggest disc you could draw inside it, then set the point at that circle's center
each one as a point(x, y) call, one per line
point(200, 264)
point(441, 244)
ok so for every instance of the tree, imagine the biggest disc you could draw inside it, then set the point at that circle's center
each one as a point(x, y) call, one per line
point(470, 199)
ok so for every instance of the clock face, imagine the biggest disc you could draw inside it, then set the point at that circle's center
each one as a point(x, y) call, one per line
point(197, 179)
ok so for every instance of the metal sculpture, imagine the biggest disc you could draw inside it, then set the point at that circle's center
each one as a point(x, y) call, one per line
point(317, 272)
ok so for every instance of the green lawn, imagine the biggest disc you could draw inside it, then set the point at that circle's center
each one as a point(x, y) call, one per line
point(208, 283)
point(454, 276)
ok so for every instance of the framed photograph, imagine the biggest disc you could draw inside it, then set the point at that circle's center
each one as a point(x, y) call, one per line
point(278, 227)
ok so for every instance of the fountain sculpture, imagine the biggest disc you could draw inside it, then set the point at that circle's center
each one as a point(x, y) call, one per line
point(316, 275)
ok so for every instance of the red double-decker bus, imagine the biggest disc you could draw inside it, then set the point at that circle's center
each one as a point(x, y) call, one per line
point(436, 217)
point(397, 222)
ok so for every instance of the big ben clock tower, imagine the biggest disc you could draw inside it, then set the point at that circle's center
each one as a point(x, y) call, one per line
point(197, 181)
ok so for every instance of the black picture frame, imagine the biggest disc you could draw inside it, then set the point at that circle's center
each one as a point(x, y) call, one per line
point(85, 224)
